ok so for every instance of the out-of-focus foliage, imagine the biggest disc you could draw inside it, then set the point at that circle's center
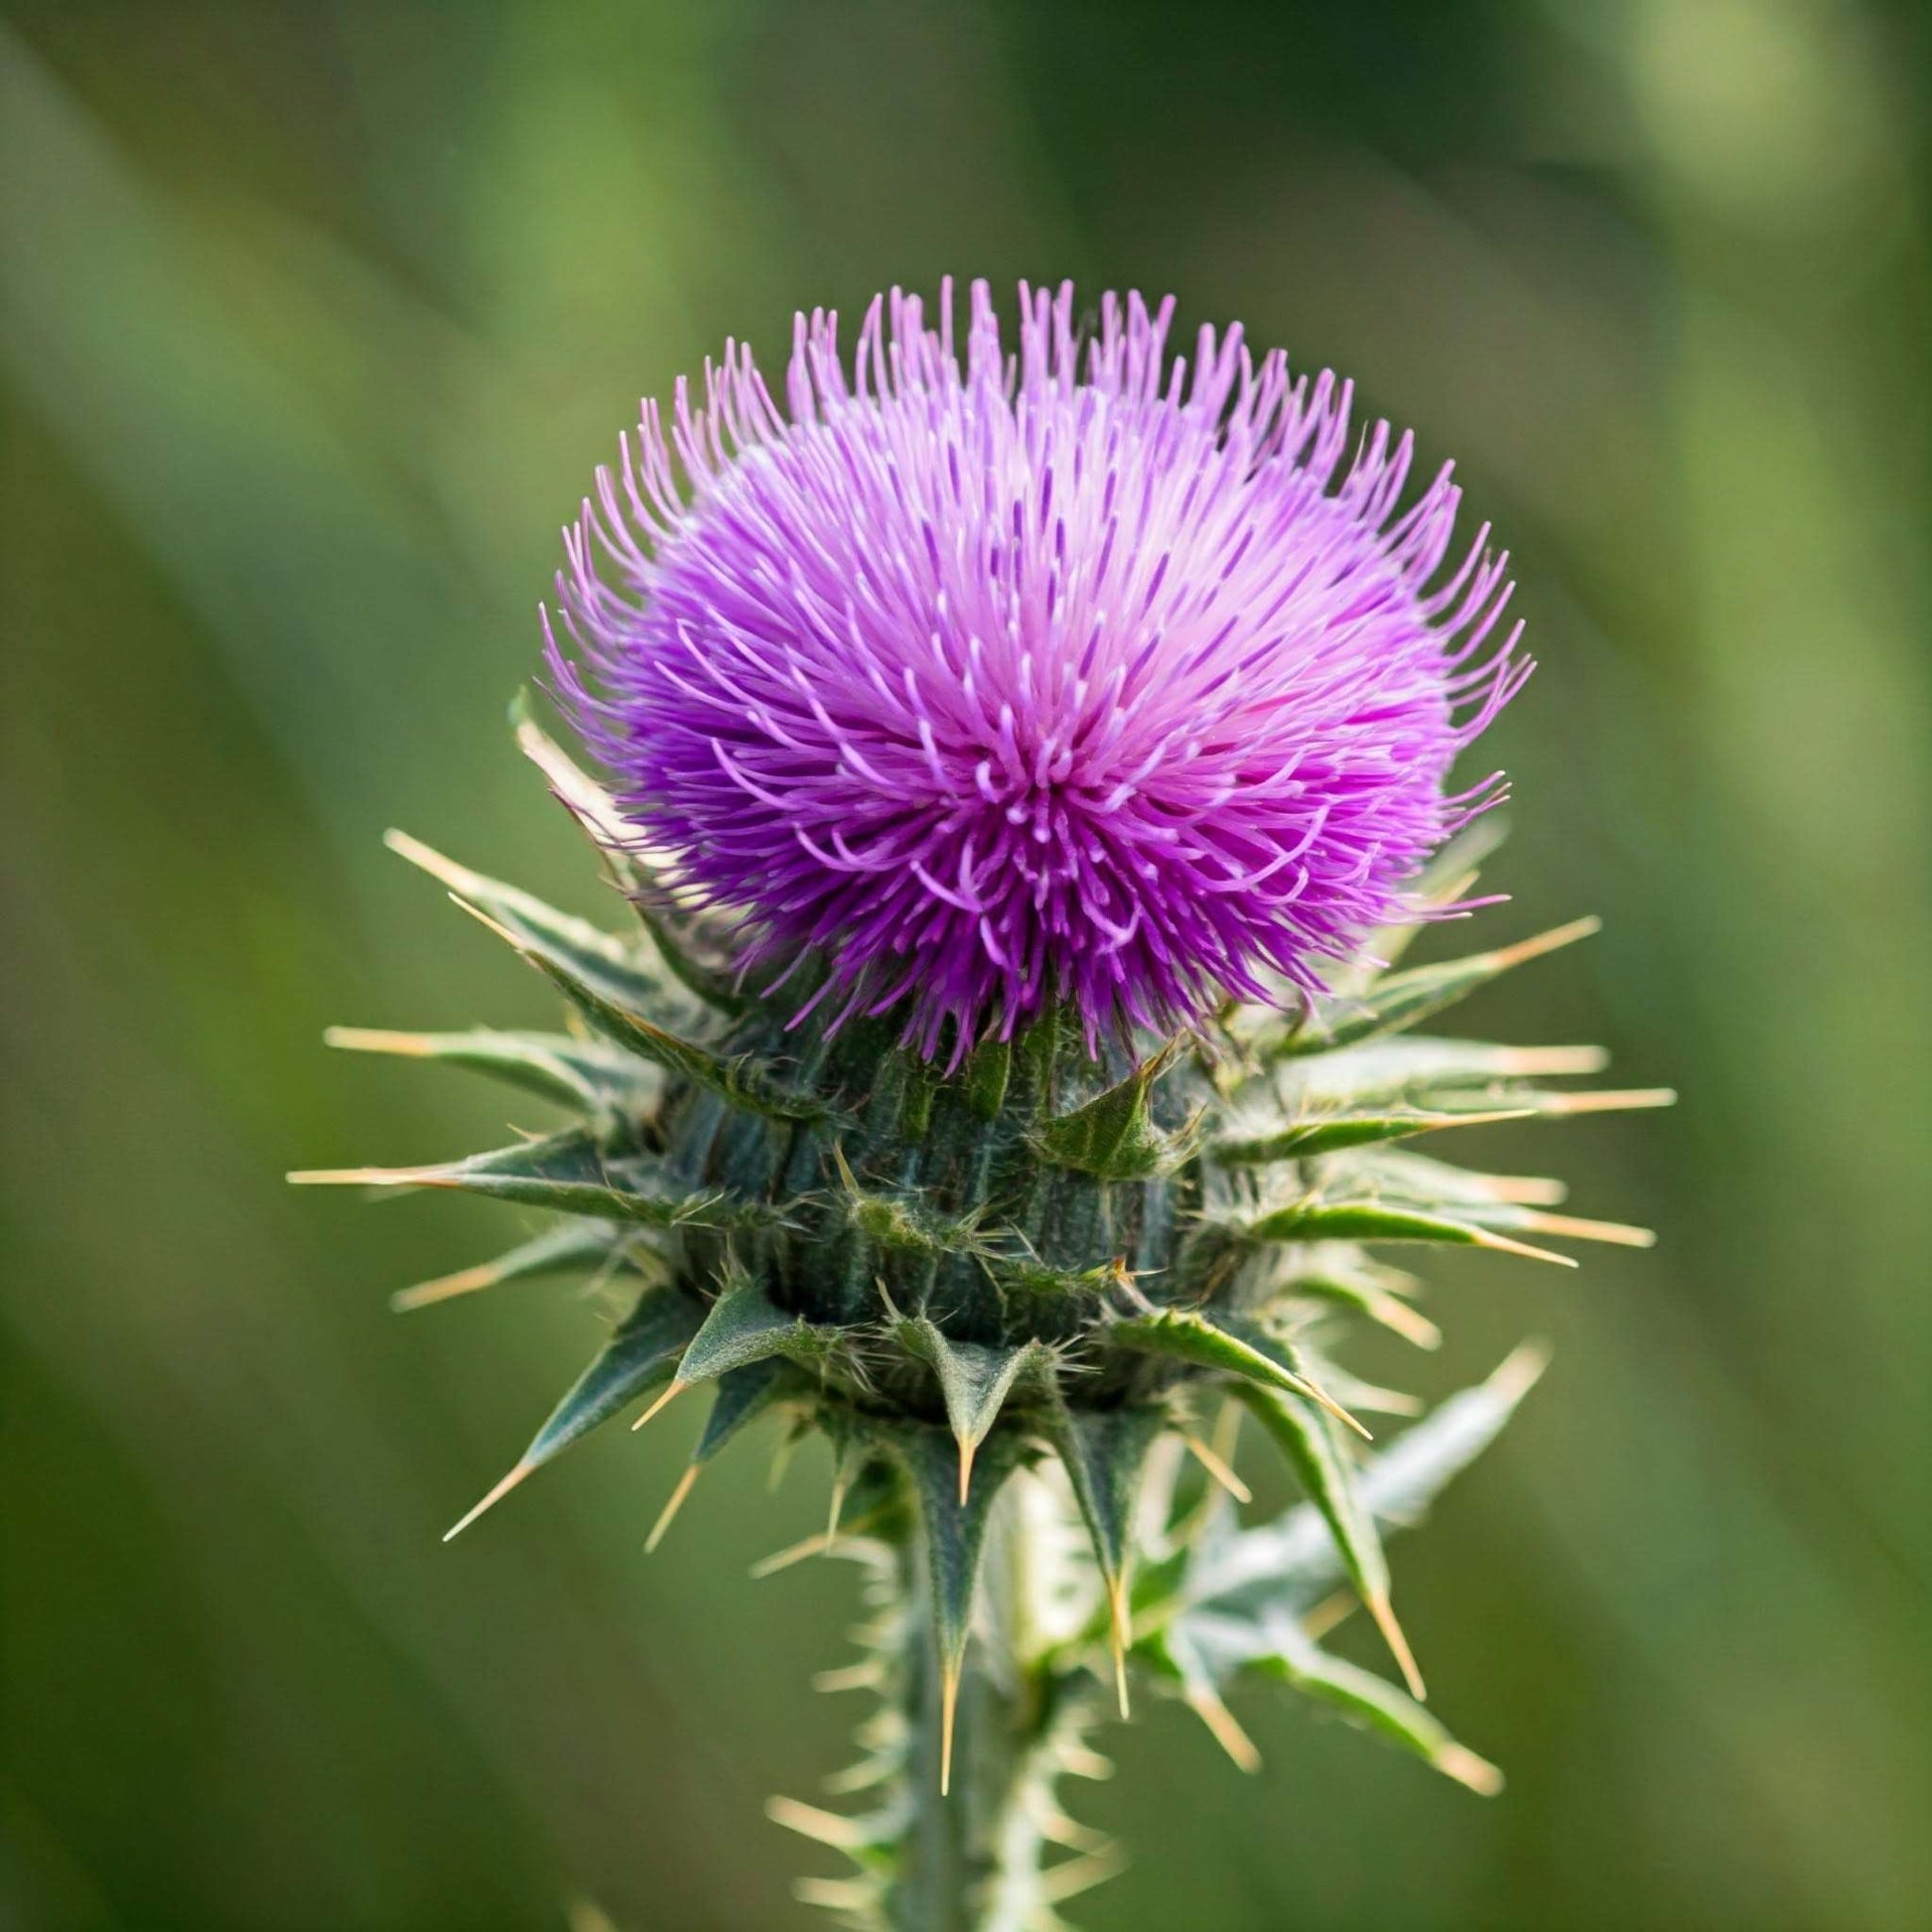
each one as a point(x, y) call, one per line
point(314, 319)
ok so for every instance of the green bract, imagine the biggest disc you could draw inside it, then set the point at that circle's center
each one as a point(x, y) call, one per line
point(1013, 1300)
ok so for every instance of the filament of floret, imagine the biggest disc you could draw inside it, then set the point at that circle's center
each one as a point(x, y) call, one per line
point(1080, 673)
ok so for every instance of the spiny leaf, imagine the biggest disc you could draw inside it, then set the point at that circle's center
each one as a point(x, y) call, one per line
point(1426, 1073)
point(740, 1080)
point(1354, 1282)
point(1360, 1397)
point(1327, 1134)
point(1402, 1481)
point(1191, 1337)
point(570, 1244)
point(621, 844)
point(638, 1356)
point(1105, 1453)
point(955, 1538)
point(1113, 1137)
point(743, 1395)
point(974, 1382)
point(1392, 1174)
point(1369, 1220)
point(1548, 1102)
point(1306, 1437)
point(573, 1071)
point(1404, 999)
point(1562, 1227)
point(595, 958)
point(1377, 1706)
point(1293, 1562)
point(744, 1327)
point(568, 1172)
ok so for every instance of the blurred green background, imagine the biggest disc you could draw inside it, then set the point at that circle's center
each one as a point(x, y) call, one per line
point(316, 317)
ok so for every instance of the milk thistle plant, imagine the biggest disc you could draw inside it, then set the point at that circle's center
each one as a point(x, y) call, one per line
point(1024, 772)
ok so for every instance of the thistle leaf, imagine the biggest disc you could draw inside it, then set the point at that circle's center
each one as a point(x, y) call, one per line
point(1426, 1073)
point(1404, 998)
point(955, 1538)
point(974, 1382)
point(639, 1355)
point(743, 1395)
point(1376, 1706)
point(1237, 1350)
point(595, 958)
point(741, 1082)
point(622, 844)
point(1328, 1134)
point(575, 1072)
point(1290, 1565)
point(569, 1245)
point(1306, 1437)
point(568, 1172)
point(741, 1327)
point(1105, 1453)
point(1373, 1220)
point(1354, 1283)
point(1113, 1137)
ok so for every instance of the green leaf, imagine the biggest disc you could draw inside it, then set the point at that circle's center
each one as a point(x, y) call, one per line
point(1302, 1138)
point(1105, 1453)
point(1365, 1698)
point(1426, 1074)
point(576, 1072)
point(1291, 1564)
point(743, 1395)
point(741, 1327)
point(1404, 999)
point(638, 1356)
point(1373, 1220)
point(1406, 1478)
point(974, 1381)
point(569, 1245)
point(622, 842)
point(955, 1540)
point(1305, 1435)
point(1238, 1349)
point(595, 959)
point(739, 1080)
point(1346, 1276)
point(567, 1171)
point(1113, 1137)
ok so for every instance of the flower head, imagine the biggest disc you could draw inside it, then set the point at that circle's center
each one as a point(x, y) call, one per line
point(1081, 675)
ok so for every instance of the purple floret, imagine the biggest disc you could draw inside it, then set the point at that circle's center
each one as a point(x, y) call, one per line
point(1078, 676)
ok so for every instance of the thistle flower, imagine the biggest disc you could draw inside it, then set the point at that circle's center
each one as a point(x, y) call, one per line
point(1072, 677)
point(1054, 732)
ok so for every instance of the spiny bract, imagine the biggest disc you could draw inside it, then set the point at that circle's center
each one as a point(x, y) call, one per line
point(1017, 1278)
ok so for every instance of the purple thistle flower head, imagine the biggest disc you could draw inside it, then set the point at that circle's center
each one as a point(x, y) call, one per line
point(1078, 676)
